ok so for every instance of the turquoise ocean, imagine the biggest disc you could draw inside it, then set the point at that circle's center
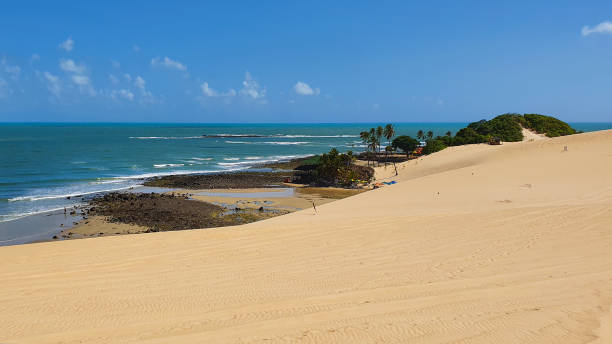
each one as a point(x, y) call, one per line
point(41, 165)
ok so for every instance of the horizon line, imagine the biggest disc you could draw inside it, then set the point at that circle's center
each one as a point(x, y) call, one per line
point(269, 123)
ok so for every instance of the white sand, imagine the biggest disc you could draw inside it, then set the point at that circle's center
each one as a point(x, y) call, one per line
point(530, 135)
point(475, 244)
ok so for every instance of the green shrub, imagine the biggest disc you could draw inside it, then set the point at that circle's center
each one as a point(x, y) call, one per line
point(405, 143)
point(338, 169)
point(548, 125)
point(311, 160)
point(467, 136)
point(433, 145)
point(447, 140)
point(509, 127)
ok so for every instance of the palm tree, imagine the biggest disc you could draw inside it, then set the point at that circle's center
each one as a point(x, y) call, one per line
point(365, 137)
point(379, 134)
point(389, 132)
point(430, 135)
point(373, 141)
point(449, 134)
point(420, 135)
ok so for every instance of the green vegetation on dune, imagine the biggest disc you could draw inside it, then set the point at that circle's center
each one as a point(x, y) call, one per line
point(467, 136)
point(434, 145)
point(508, 127)
point(548, 125)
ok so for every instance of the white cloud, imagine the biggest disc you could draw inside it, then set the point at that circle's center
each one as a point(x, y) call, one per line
point(83, 82)
point(127, 77)
point(53, 84)
point(71, 67)
point(207, 91)
point(122, 93)
point(167, 63)
point(78, 77)
point(304, 89)
point(4, 90)
point(136, 48)
point(603, 27)
point(251, 88)
point(141, 85)
point(230, 93)
point(67, 45)
point(115, 64)
point(113, 79)
point(34, 58)
point(13, 71)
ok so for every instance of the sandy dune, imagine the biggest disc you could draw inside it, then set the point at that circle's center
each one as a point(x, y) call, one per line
point(475, 244)
point(529, 135)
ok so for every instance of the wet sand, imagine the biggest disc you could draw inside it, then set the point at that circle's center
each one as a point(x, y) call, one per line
point(38, 227)
point(287, 199)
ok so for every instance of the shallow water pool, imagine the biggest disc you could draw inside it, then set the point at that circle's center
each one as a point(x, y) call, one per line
point(286, 192)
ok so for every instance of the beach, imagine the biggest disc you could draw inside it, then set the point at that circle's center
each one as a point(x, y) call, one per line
point(476, 243)
point(137, 213)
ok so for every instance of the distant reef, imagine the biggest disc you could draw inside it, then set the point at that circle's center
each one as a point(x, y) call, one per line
point(231, 135)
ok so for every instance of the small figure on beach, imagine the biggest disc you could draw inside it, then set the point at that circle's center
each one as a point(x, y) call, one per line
point(565, 148)
point(314, 207)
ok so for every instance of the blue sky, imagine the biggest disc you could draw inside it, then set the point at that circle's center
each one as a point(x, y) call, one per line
point(343, 61)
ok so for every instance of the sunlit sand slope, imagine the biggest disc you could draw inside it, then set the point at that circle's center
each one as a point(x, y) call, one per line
point(474, 244)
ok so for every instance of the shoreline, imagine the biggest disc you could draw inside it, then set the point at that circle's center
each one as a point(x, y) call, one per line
point(262, 178)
